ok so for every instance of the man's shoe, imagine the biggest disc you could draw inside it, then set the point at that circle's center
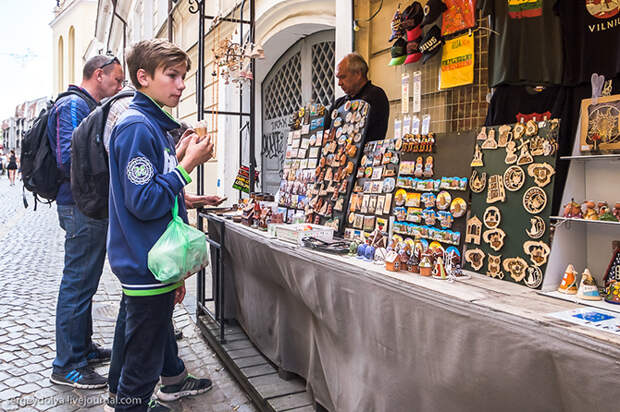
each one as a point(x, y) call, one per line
point(190, 386)
point(99, 355)
point(155, 406)
point(81, 378)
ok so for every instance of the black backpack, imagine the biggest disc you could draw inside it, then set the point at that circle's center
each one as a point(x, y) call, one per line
point(90, 172)
point(40, 172)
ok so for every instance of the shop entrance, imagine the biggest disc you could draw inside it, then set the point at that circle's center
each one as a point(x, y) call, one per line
point(304, 73)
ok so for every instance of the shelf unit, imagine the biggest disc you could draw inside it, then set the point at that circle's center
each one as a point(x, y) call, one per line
point(584, 243)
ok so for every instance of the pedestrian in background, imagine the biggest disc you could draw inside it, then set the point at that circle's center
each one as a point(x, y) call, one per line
point(85, 238)
point(12, 167)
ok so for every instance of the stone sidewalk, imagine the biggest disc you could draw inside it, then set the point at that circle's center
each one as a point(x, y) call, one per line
point(31, 262)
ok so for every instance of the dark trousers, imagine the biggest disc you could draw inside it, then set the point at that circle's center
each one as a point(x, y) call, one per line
point(147, 332)
point(173, 369)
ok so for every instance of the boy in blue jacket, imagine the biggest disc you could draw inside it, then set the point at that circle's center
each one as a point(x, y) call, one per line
point(145, 180)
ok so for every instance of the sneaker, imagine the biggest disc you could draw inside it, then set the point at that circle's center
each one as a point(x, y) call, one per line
point(155, 406)
point(81, 378)
point(110, 403)
point(99, 355)
point(190, 386)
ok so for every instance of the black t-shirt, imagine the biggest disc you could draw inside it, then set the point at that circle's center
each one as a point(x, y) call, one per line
point(528, 49)
point(379, 112)
point(591, 34)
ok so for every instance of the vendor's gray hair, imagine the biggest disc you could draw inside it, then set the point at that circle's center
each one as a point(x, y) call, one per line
point(356, 64)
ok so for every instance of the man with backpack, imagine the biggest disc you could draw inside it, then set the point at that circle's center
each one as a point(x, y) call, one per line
point(85, 237)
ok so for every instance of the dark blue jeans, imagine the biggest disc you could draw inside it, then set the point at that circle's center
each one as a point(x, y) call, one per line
point(85, 249)
point(148, 330)
point(173, 370)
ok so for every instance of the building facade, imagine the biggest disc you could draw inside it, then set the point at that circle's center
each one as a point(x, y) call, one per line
point(14, 128)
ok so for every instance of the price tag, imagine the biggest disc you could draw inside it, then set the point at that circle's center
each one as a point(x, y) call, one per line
point(404, 98)
point(397, 129)
point(426, 124)
point(417, 91)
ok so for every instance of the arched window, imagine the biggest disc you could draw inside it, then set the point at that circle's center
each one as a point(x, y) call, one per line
point(304, 73)
point(61, 64)
point(71, 55)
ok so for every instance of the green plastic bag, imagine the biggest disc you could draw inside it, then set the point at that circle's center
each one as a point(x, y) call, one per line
point(179, 252)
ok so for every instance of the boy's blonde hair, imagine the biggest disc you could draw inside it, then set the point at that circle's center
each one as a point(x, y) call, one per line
point(149, 55)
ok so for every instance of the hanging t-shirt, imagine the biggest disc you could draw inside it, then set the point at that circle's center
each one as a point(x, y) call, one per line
point(591, 32)
point(528, 49)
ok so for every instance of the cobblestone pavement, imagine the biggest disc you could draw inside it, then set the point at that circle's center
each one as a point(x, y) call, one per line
point(31, 261)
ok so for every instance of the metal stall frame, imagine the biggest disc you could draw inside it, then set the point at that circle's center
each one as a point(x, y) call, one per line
point(218, 277)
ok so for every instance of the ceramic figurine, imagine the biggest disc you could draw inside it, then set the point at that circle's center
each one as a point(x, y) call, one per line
point(428, 167)
point(616, 211)
point(361, 250)
point(587, 287)
point(426, 263)
point(572, 210)
point(353, 248)
point(392, 263)
point(380, 255)
point(418, 172)
point(602, 207)
point(413, 264)
point(589, 211)
point(439, 271)
point(369, 253)
point(569, 281)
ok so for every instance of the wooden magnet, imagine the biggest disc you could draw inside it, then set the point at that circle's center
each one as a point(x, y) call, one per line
point(516, 267)
point(475, 257)
point(514, 178)
point(473, 231)
point(524, 157)
point(534, 200)
point(477, 183)
point(533, 277)
point(492, 217)
point(541, 172)
point(537, 146)
point(495, 238)
point(537, 227)
point(531, 128)
point(518, 131)
point(537, 251)
point(482, 135)
point(494, 268)
point(490, 142)
point(496, 192)
point(477, 160)
point(511, 153)
point(505, 135)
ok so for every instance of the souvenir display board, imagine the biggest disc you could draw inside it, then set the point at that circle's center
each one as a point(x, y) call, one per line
point(370, 204)
point(432, 192)
point(512, 182)
point(303, 151)
point(335, 173)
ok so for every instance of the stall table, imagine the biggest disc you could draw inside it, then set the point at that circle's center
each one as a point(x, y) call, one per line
point(366, 339)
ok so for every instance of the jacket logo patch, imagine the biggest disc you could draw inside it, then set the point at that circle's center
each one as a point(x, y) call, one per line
point(139, 171)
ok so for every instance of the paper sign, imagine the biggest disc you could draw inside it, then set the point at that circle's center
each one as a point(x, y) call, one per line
point(406, 125)
point(417, 91)
point(404, 98)
point(599, 319)
point(426, 124)
point(397, 129)
point(415, 127)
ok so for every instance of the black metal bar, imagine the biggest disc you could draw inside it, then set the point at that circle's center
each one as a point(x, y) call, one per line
point(201, 83)
point(241, 100)
point(230, 20)
point(252, 98)
point(225, 113)
point(220, 271)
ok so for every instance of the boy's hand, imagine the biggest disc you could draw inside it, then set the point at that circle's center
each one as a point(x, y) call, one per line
point(193, 201)
point(197, 152)
point(179, 294)
point(183, 143)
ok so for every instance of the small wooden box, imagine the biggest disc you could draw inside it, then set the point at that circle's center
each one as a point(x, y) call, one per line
point(600, 125)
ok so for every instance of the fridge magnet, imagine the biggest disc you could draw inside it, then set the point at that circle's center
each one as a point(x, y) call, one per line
point(534, 200)
point(369, 223)
point(516, 267)
point(537, 251)
point(492, 217)
point(537, 147)
point(533, 277)
point(569, 281)
point(477, 183)
point(482, 135)
point(524, 157)
point(477, 160)
point(505, 135)
point(334, 114)
point(495, 238)
point(475, 257)
point(514, 178)
point(380, 205)
point(511, 153)
point(473, 231)
point(389, 184)
point(600, 125)
point(587, 287)
point(372, 204)
point(339, 206)
point(490, 142)
point(388, 204)
point(496, 192)
point(458, 207)
point(443, 200)
point(494, 268)
point(428, 167)
point(413, 200)
point(418, 170)
point(541, 172)
point(537, 227)
point(400, 197)
point(531, 128)
point(364, 207)
point(518, 131)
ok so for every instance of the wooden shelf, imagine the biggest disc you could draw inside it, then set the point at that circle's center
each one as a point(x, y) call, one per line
point(592, 157)
point(572, 219)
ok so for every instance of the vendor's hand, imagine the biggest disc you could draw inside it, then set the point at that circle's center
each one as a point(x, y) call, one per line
point(194, 201)
point(179, 294)
point(198, 151)
point(181, 146)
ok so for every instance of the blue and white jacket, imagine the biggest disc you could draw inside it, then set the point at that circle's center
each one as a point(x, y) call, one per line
point(145, 177)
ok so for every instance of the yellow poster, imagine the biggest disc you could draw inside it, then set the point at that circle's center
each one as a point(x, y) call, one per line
point(457, 62)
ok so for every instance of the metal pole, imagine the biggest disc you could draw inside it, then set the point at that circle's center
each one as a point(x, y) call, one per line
point(252, 98)
point(201, 82)
point(241, 101)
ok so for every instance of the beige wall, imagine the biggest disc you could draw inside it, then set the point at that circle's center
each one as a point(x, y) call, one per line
point(79, 15)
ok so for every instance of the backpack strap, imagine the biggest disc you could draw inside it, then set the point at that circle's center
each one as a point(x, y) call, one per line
point(92, 104)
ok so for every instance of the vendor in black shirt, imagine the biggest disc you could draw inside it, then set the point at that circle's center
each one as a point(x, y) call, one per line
point(352, 74)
